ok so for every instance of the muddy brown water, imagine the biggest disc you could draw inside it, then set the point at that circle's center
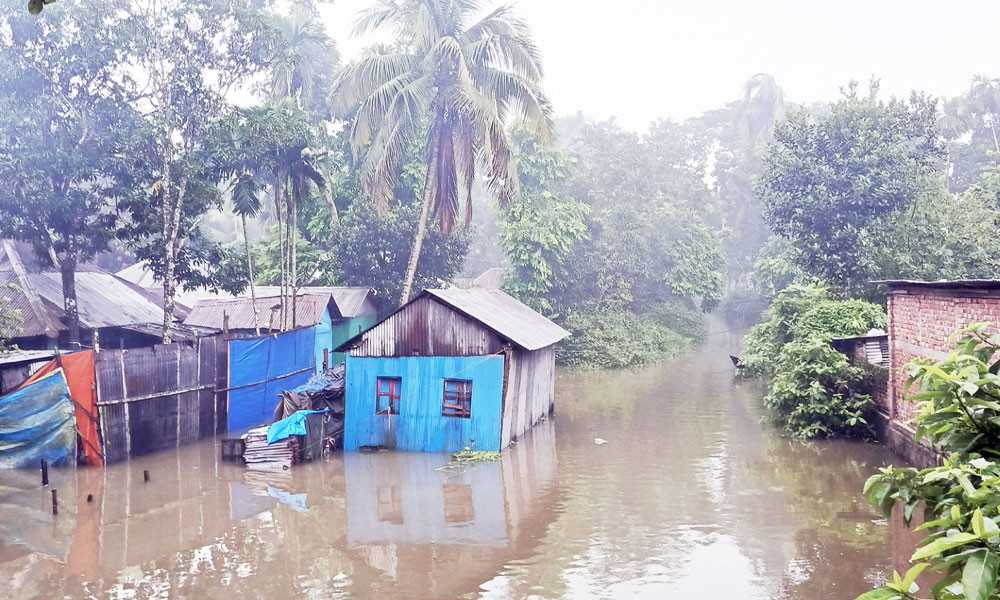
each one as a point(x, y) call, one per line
point(691, 497)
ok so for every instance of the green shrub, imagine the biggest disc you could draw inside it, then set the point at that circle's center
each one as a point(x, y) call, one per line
point(959, 412)
point(681, 318)
point(764, 342)
point(839, 318)
point(617, 340)
point(815, 393)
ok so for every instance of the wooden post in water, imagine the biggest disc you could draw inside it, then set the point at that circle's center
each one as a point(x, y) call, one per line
point(55, 503)
point(145, 476)
point(225, 325)
point(45, 472)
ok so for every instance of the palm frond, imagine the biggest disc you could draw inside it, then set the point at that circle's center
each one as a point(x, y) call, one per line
point(464, 141)
point(444, 180)
point(517, 94)
point(385, 12)
point(500, 165)
point(388, 147)
point(359, 80)
point(508, 43)
point(374, 108)
point(246, 196)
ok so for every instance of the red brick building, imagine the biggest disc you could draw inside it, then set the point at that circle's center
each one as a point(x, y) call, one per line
point(923, 319)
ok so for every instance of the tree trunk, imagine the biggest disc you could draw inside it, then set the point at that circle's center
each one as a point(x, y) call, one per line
point(330, 203)
point(253, 294)
point(293, 224)
point(278, 208)
point(172, 246)
point(418, 240)
point(67, 269)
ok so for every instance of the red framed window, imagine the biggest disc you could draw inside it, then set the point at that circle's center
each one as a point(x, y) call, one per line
point(457, 398)
point(387, 395)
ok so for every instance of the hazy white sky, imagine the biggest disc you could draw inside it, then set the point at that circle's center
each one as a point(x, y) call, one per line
point(642, 59)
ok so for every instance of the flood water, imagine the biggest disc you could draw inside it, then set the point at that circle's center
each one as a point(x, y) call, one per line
point(691, 497)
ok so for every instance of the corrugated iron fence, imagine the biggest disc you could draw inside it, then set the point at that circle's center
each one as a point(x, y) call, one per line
point(161, 397)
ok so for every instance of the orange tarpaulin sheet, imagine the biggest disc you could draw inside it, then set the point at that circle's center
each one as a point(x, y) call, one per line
point(79, 370)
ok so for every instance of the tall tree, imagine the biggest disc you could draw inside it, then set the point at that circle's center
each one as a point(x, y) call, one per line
point(971, 125)
point(65, 91)
point(830, 179)
point(302, 67)
point(454, 80)
point(194, 55)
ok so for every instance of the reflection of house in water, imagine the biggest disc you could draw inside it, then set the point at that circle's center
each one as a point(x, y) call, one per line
point(408, 498)
point(204, 528)
point(416, 521)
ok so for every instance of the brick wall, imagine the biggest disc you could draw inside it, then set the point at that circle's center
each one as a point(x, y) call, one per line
point(922, 322)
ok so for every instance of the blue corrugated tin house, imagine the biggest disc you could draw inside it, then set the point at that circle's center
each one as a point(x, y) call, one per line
point(452, 368)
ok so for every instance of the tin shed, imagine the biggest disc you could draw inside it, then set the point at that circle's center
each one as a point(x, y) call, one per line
point(337, 313)
point(451, 368)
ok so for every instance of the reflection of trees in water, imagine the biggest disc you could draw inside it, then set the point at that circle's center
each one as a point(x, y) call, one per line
point(840, 541)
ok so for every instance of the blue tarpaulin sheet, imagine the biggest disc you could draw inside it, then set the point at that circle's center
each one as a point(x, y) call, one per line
point(294, 424)
point(37, 422)
point(263, 367)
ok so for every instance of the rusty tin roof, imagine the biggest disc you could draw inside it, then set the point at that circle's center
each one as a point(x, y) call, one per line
point(496, 310)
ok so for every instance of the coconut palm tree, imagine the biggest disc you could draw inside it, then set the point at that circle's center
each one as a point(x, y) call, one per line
point(457, 81)
point(305, 57)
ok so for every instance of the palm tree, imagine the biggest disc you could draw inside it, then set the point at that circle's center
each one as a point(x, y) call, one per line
point(304, 56)
point(457, 82)
point(246, 203)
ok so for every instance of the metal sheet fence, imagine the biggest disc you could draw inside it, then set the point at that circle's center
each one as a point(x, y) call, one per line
point(160, 397)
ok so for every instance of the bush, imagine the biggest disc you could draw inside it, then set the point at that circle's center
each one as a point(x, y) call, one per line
point(839, 318)
point(617, 340)
point(764, 342)
point(815, 393)
point(813, 390)
point(681, 318)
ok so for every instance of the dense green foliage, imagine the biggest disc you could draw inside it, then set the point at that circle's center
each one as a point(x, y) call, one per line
point(813, 391)
point(617, 340)
point(541, 230)
point(372, 250)
point(606, 234)
point(959, 399)
point(829, 179)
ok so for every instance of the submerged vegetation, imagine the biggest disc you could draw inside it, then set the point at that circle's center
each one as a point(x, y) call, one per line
point(813, 391)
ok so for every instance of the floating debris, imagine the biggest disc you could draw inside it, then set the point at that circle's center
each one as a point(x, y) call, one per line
point(468, 455)
point(600, 441)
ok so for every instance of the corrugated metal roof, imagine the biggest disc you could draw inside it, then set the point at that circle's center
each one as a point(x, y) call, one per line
point(140, 274)
point(103, 300)
point(497, 311)
point(975, 284)
point(309, 310)
point(33, 322)
point(13, 357)
point(350, 301)
point(504, 314)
